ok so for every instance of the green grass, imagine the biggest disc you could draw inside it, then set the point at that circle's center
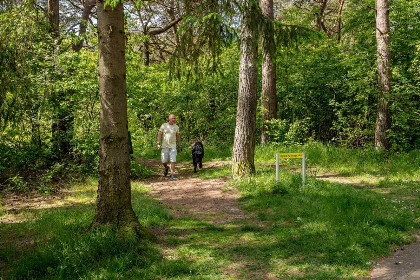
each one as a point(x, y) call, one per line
point(323, 230)
point(216, 172)
point(331, 158)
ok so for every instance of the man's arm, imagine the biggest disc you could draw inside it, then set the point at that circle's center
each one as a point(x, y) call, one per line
point(159, 136)
point(178, 139)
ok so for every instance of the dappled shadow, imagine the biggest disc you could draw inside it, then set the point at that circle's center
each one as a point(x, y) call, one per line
point(279, 236)
point(15, 206)
point(336, 234)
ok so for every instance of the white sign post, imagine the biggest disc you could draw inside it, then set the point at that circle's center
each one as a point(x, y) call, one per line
point(290, 156)
point(303, 168)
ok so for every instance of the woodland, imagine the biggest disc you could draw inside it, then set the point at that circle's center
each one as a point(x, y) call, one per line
point(86, 84)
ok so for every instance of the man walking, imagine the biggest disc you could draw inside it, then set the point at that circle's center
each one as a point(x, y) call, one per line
point(171, 138)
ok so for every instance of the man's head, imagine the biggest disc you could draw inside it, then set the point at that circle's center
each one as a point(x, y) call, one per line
point(171, 119)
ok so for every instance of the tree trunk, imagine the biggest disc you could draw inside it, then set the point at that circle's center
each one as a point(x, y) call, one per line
point(146, 53)
point(320, 17)
point(268, 95)
point(113, 203)
point(339, 21)
point(53, 9)
point(383, 120)
point(244, 142)
point(87, 9)
point(61, 128)
point(62, 125)
point(171, 14)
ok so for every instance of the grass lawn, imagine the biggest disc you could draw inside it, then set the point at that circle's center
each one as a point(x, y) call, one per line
point(325, 230)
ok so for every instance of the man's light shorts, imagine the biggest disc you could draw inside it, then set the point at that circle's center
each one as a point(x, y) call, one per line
point(168, 154)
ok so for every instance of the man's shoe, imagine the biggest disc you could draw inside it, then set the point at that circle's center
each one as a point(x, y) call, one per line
point(172, 177)
point(166, 171)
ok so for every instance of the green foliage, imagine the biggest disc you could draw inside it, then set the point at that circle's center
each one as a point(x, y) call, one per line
point(405, 131)
point(205, 109)
point(16, 183)
point(327, 90)
point(139, 170)
point(332, 86)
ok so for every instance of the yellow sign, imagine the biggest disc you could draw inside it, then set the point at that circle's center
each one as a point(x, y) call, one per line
point(291, 155)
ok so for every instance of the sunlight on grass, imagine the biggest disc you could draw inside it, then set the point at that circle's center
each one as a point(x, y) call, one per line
point(324, 230)
point(216, 172)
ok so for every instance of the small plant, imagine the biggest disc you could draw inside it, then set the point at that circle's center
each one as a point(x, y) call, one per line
point(44, 189)
point(279, 189)
point(17, 183)
point(139, 171)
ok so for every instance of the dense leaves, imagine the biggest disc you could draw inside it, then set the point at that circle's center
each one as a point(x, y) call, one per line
point(327, 88)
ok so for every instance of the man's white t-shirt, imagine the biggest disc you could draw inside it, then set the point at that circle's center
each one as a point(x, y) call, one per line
point(169, 135)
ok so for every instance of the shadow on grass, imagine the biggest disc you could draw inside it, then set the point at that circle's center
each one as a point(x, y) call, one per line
point(322, 231)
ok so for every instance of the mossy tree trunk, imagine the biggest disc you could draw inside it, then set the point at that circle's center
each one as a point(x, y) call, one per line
point(244, 142)
point(383, 40)
point(268, 94)
point(113, 204)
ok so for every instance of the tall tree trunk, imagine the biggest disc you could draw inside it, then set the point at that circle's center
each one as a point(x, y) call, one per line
point(63, 118)
point(244, 142)
point(268, 96)
point(383, 120)
point(113, 203)
point(171, 14)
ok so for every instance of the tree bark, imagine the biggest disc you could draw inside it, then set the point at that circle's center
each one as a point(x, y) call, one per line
point(87, 9)
point(383, 120)
point(320, 16)
point(113, 203)
point(53, 9)
point(244, 142)
point(339, 21)
point(268, 95)
point(146, 53)
point(171, 14)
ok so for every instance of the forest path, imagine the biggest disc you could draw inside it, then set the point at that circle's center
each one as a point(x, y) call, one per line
point(404, 264)
point(209, 200)
point(190, 196)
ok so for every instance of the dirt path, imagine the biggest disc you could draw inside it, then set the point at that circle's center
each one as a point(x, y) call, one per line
point(189, 196)
point(404, 264)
